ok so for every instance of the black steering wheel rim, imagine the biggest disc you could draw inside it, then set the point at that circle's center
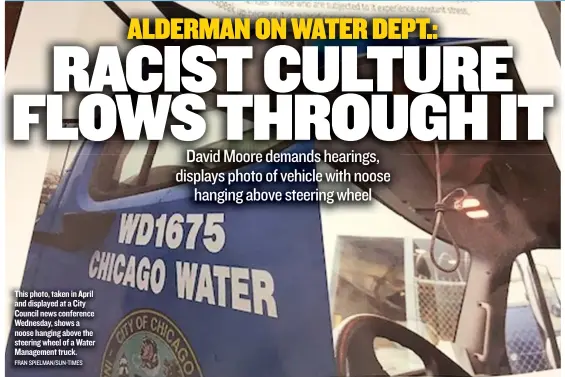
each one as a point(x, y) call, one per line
point(362, 329)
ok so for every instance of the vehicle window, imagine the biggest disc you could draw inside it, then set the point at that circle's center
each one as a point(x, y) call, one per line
point(552, 291)
point(548, 262)
point(378, 263)
point(61, 157)
point(133, 160)
point(121, 166)
point(527, 340)
point(167, 153)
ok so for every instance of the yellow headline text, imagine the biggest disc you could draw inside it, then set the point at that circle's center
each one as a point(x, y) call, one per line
point(282, 28)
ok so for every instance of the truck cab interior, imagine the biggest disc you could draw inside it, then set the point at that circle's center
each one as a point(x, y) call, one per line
point(478, 210)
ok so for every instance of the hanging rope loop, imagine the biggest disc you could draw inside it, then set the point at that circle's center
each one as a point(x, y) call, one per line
point(441, 206)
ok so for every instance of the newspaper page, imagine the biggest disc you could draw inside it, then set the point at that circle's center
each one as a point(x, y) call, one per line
point(358, 280)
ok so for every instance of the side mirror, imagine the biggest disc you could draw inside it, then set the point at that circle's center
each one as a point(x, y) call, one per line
point(81, 231)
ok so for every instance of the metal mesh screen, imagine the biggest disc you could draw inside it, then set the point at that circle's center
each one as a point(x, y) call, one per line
point(524, 343)
point(439, 305)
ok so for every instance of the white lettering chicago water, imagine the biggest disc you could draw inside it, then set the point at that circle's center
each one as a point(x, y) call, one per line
point(251, 290)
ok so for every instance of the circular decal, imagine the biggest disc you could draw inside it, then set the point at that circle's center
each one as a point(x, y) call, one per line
point(148, 344)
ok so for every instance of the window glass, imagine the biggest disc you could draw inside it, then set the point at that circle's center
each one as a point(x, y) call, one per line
point(527, 340)
point(71, 154)
point(60, 160)
point(132, 162)
point(169, 155)
point(548, 264)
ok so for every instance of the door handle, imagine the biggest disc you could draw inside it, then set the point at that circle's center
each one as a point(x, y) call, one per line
point(486, 341)
point(81, 230)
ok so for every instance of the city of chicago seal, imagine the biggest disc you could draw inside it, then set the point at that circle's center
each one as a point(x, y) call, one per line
point(148, 344)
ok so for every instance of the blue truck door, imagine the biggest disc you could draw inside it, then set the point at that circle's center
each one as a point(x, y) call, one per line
point(186, 288)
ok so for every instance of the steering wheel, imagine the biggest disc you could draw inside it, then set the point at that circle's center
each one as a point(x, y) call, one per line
point(355, 353)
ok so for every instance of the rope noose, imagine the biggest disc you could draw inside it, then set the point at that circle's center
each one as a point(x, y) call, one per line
point(440, 208)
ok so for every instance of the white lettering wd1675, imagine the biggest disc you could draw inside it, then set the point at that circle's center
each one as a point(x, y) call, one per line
point(173, 231)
